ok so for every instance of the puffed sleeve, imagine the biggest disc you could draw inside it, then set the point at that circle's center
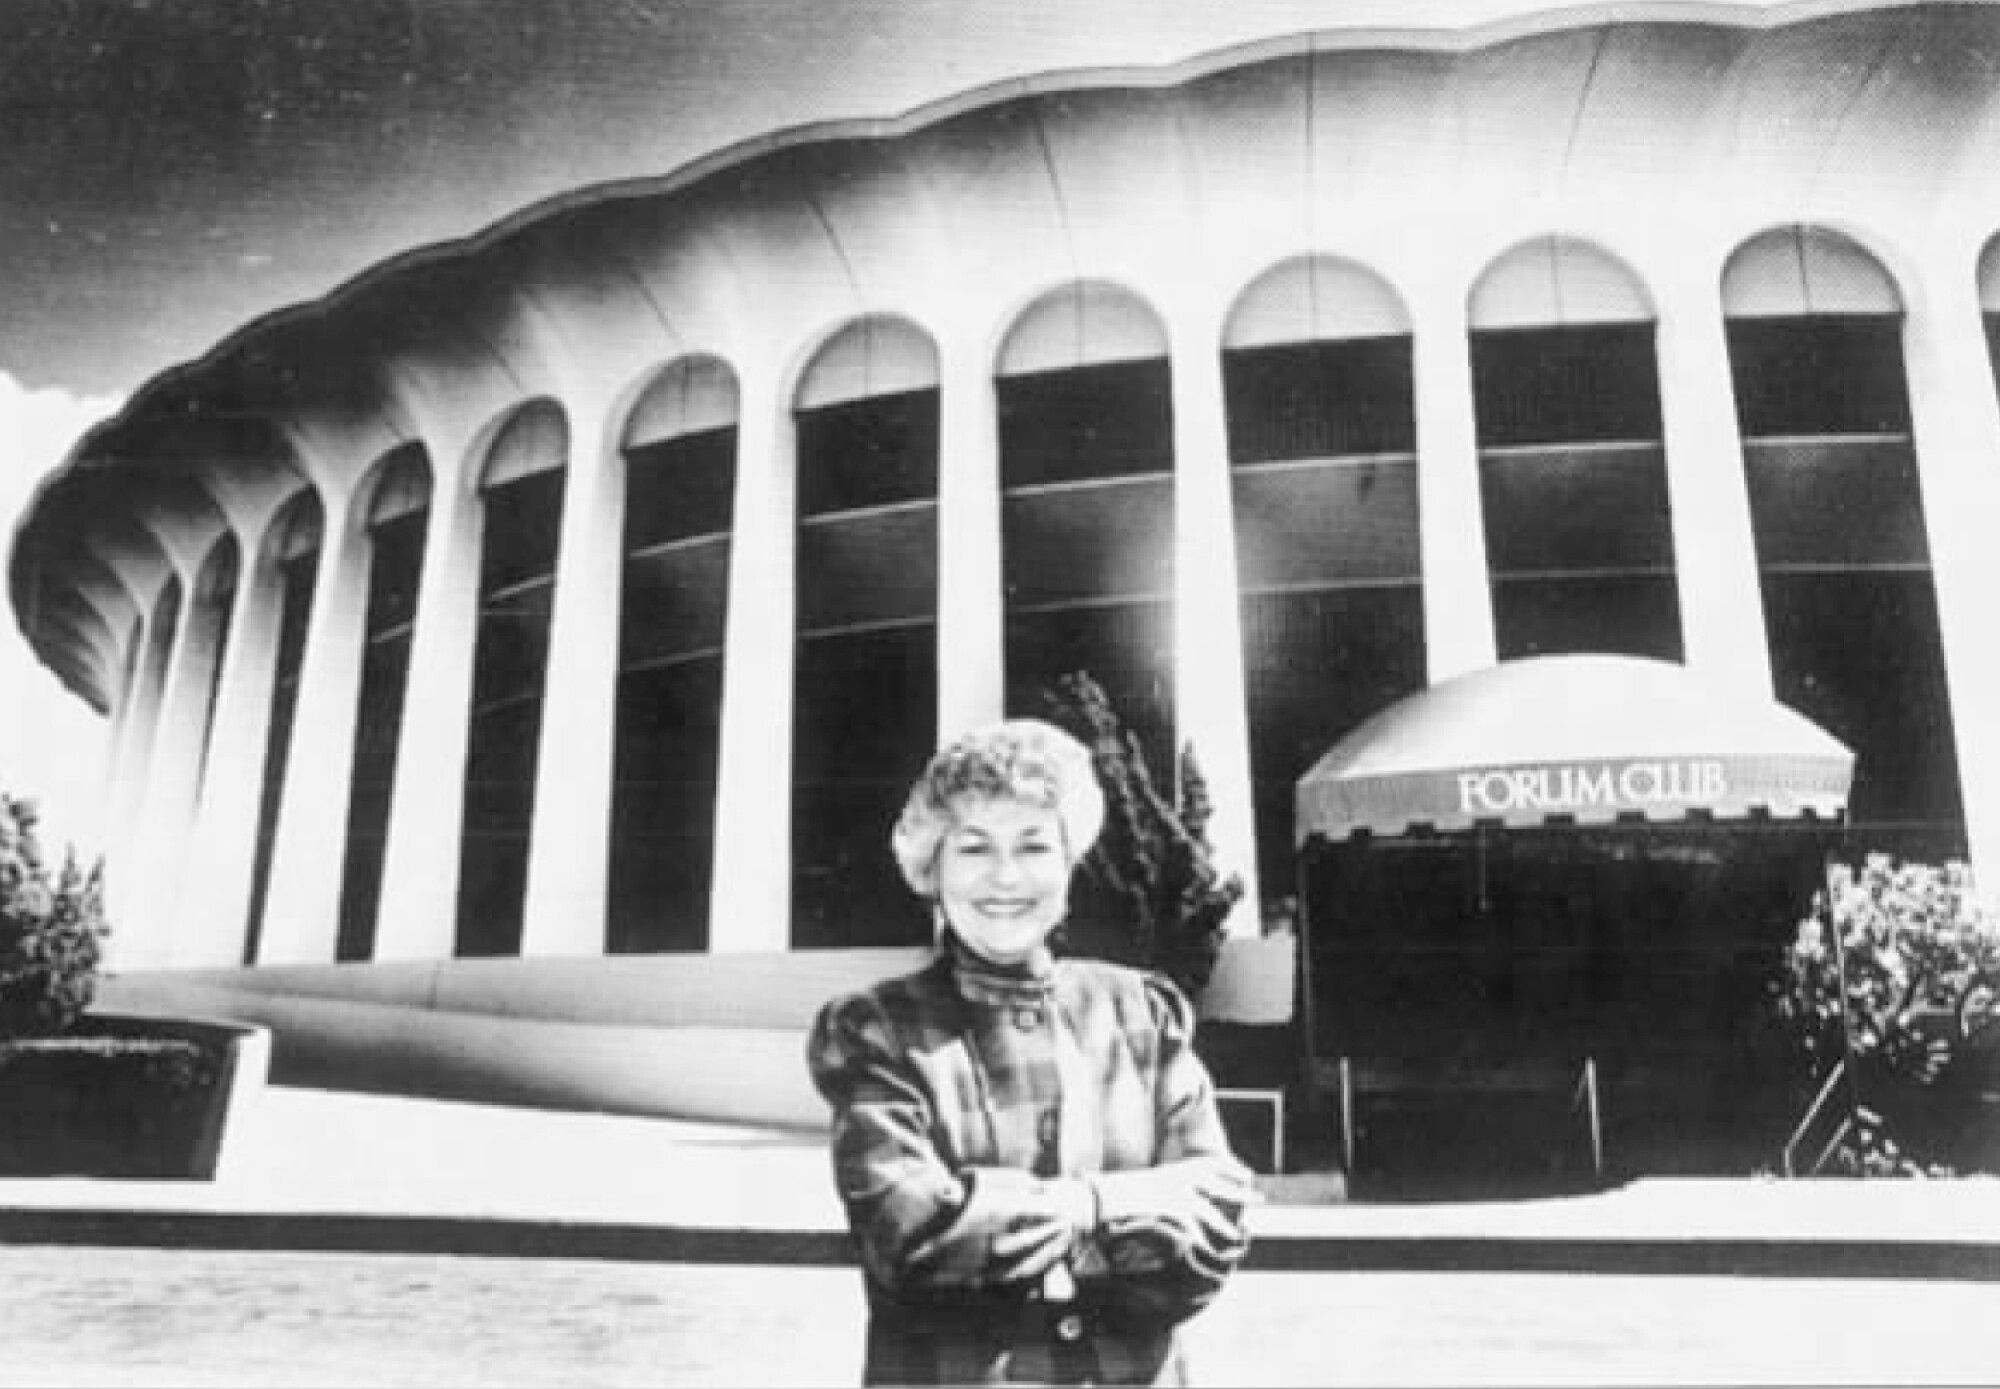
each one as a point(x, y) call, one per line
point(920, 1225)
point(1190, 1123)
point(1157, 1268)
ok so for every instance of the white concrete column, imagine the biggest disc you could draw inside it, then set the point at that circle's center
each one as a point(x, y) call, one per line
point(971, 642)
point(1715, 549)
point(569, 846)
point(212, 921)
point(1211, 705)
point(750, 906)
point(173, 783)
point(302, 908)
point(1458, 598)
point(130, 766)
point(417, 918)
point(1955, 422)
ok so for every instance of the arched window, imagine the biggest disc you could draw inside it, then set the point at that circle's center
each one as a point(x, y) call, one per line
point(865, 667)
point(215, 595)
point(1843, 559)
point(1087, 504)
point(161, 634)
point(1316, 366)
point(130, 640)
point(521, 489)
point(679, 448)
point(398, 517)
point(1572, 466)
point(292, 558)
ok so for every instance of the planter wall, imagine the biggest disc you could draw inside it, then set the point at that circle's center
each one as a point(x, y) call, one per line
point(129, 1097)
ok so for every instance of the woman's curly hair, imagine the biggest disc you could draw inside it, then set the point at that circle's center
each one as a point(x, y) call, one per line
point(1023, 760)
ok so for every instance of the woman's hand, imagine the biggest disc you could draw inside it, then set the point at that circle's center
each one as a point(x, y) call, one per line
point(1036, 1243)
point(1203, 1196)
point(1030, 1249)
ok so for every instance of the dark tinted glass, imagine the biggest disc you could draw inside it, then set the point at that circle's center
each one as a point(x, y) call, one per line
point(680, 488)
point(1575, 384)
point(1824, 374)
point(1110, 420)
point(1320, 399)
point(863, 724)
point(876, 451)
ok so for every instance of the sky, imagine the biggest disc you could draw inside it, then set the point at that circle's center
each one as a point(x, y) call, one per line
point(173, 170)
point(52, 746)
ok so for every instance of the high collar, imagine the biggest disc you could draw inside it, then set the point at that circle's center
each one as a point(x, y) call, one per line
point(979, 980)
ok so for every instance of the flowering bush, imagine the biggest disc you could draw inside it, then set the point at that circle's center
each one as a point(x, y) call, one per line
point(51, 927)
point(1897, 970)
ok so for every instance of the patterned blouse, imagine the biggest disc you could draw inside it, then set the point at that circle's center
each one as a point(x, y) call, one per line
point(955, 1092)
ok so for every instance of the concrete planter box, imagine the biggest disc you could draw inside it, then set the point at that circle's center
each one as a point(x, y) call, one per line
point(126, 1097)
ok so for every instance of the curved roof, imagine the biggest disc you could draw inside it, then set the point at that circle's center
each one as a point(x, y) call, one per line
point(176, 170)
point(1151, 174)
point(1590, 738)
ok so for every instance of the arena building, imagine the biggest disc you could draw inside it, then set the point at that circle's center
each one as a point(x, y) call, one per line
point(589, 588)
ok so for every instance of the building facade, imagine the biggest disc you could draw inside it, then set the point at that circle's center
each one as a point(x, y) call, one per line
point(593, 587)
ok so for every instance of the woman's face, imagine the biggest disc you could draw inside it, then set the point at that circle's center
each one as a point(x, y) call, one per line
point(1003, 877)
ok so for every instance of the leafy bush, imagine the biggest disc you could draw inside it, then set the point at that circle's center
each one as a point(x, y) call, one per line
point(1896, 970)
point(51, 930)
point(1150, 893)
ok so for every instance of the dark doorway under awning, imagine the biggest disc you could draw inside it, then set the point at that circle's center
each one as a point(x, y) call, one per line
point(1552, 875)
point(1584, 739)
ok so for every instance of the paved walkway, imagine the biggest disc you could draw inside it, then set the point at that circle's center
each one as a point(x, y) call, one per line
point(336, 1170)
point(275, 1319)
point(637, 1252)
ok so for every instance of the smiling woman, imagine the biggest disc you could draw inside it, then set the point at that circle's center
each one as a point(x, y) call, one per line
point(1029, 1150)
point(992, 830)
point(1003, 878)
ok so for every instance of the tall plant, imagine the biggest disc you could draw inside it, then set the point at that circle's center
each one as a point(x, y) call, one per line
point(1150, 893)
point(51, 929)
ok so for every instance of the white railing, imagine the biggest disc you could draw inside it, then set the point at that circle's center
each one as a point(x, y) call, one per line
point(1583, 1096)
point(1789, 1158)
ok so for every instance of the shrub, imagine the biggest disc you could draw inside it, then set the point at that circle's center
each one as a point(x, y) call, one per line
point(1150, 893)
point(51, 929)
point(1895, 971)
